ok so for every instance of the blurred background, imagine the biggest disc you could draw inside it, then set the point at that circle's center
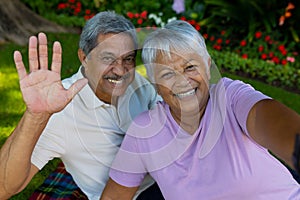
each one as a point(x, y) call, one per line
point(251, 40)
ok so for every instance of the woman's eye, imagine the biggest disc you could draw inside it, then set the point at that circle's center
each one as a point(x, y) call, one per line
point(190, 68)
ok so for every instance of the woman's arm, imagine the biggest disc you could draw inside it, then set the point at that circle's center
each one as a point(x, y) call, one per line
point(115, 191)
point(274, 126)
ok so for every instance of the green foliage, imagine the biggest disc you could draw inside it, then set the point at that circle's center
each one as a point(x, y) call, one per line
point(273, 74)
point(13, 106)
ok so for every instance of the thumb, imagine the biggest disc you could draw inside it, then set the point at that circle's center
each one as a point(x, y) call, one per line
point(76, 87)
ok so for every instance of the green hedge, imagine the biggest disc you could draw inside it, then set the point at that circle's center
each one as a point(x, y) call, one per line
point(274, 74)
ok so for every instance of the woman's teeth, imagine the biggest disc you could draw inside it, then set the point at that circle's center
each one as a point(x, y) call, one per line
point(188, 93)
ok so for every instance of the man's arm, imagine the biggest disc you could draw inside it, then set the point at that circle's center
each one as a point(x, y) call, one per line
point(43, 94)
point(115, 191)
point(274, 126)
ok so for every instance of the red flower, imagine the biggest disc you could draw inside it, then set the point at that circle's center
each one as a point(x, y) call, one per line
point(281, 48)
point(258, 34)
point(136, 15)
point(62, 6)
point(275, 60)
point(260, 48)
point(140, 21)
point(76, 11)
point(144, 14)
point(245, 56)
point(197, 27)
point(130, 15)
point(271, 55)
point(243, 43)
point(219, 41)
point(284, 52)
point(223, 32)
point(183, 18)
point(212, 38)
point(87, 11)
point(283, 62)
point(227, 41)
point(267, 38)
point(71, 1)
point(217, 47)
point(205, 35)
point(192, 22)
point(264, 56)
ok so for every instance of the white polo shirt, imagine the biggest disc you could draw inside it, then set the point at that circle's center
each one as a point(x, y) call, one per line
point(87, 134)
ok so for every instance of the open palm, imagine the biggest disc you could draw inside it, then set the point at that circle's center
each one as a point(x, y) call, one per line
point(41, 88)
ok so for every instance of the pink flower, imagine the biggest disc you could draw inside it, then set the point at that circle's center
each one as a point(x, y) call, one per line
point(290, 59)
point(178, 6)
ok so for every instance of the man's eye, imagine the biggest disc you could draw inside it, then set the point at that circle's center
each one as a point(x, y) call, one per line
point(167, 75)
point(108, 60)
point(129, 60)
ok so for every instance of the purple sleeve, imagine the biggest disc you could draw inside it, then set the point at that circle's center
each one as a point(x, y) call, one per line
point(128, 168)
point(242, 98)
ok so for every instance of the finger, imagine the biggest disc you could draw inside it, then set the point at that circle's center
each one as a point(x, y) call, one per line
point(56, 57)
point(19, 65)
point(43, 51)
point(33, 54)
point(76, 87)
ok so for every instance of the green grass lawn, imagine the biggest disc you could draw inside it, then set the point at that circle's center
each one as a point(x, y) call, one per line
point(12, 106)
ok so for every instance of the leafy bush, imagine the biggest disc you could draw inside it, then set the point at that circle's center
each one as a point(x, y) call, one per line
point(278, 75)
point(244, 36)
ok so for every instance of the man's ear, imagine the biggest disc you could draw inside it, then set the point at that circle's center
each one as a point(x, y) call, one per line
point(81, 55)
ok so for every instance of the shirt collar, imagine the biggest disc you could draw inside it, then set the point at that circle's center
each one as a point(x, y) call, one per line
point(87, 95)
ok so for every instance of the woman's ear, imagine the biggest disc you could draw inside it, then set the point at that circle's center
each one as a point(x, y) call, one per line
point(209, 62)
point(81, 56)
point(209, 67)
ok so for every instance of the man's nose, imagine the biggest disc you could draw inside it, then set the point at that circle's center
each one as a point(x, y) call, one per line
point(119, 68)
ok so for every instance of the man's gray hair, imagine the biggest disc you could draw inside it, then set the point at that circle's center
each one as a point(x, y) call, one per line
point(177, 36)
point(104, 23)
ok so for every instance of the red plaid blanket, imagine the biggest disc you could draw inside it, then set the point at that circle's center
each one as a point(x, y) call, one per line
point(59, 185)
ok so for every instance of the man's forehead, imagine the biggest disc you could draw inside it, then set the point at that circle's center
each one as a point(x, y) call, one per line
point(115, 37)
point(115, 44)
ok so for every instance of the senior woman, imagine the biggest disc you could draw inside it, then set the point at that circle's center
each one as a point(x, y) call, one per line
point(204, 141)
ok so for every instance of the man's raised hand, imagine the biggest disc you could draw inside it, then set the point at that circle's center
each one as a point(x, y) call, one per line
point(41, 87)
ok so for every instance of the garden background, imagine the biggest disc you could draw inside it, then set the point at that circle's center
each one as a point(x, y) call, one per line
point(252, 40)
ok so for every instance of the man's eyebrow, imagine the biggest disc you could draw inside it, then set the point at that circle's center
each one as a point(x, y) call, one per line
point(106, 53)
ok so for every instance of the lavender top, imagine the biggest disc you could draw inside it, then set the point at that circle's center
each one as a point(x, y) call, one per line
point(219, 161)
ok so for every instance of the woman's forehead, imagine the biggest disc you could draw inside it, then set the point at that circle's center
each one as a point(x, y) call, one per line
point(177, 56)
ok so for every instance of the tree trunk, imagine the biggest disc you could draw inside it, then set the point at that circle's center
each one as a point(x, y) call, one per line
point(18, 23)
